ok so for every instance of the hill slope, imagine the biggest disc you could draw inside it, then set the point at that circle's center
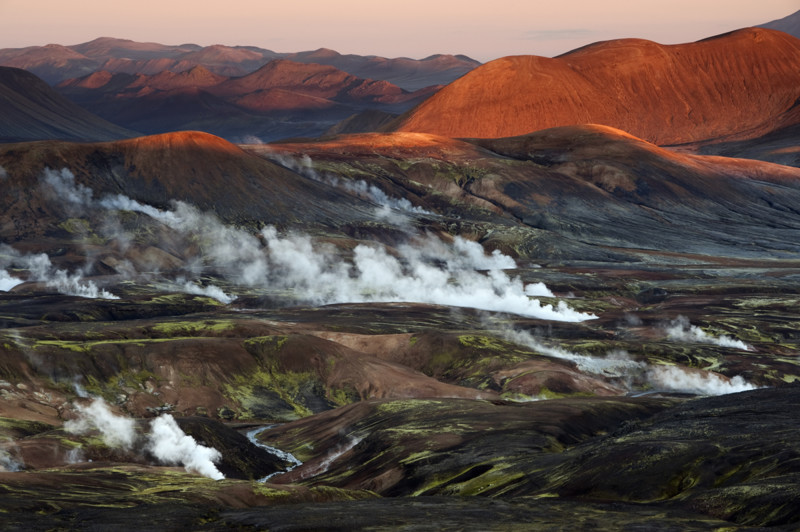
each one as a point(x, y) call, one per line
point(31, 110)
point(742, 84)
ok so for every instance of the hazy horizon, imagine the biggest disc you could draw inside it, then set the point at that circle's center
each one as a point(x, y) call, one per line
point(414, 29)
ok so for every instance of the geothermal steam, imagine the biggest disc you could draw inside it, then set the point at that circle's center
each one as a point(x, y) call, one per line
point(170, 445)
point(116, 431)
point(42, 270)
point(619, 366)
point(681, 330)
point(426, 271)
point(166, 441)
point(387, 205)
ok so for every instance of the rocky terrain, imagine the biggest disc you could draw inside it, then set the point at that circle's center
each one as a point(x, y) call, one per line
point(569, 328)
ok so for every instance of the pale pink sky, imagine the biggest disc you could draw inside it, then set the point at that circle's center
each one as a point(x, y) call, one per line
point(484, 29)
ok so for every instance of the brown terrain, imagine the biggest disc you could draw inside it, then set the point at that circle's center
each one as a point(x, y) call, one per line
point(735, 86)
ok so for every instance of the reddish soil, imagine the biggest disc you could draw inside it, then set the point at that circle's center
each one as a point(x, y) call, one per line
point(741, 84)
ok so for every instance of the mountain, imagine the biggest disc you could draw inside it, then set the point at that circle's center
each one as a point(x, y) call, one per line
point(789, 24)
point(51, 62)
point(411, 74)
point(734, 86)
point(104, 47)
point(31, 110)
point(56, 63)
point(281, 99)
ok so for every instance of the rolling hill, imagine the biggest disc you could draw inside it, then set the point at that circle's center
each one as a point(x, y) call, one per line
point(281, 99)
point(734, 86)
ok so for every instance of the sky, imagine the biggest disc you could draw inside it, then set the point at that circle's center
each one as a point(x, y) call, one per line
point(483, 30)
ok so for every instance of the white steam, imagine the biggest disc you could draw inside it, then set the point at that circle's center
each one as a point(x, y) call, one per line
point(696, 381)
point(42, 270)
point(62, 187)
point(166, 441)
point(170, 445)
point(116, 431)
point(7, 282)
point(681, 330)
point(361, 189)
point(3, 173)
point(210, 290)
point(429, 271)
point(9, 463)
point(619, 366)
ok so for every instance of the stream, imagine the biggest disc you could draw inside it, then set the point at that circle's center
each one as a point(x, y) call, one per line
point(283, 455)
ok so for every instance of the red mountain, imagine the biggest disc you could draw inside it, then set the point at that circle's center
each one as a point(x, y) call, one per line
point(739, 85)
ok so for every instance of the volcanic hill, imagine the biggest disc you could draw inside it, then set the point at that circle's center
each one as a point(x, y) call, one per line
point(735, 86)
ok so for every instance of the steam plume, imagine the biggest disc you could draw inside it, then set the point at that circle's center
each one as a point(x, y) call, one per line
point(117, 431)
point(42, 270)
point(7, 282)
point(3, 173)
point(9, 463)
point(681, 330)
point(429, 271)
point(619, 366)
point(170, 445)
point(360, 188)
point(696, 381)
point(166, 441)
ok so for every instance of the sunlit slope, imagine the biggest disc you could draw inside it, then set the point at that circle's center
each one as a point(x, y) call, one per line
point(741, 84)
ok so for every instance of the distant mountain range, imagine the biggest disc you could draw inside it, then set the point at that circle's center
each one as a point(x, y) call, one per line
point(238, 92)
point(55, 63)
point(734, 94)
point(281, 99)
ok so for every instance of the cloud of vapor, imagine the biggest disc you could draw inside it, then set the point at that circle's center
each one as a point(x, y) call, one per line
point(681, 330)
point(388, 206)
point(210, 290)
point(7, 282)
point(3, 173)
point(42, 270)
point(619, 366)
point(426, 270)
point(61, 186)
point(116, 431)
point(9, 463)
point(165, 441)
point(170, 445)
point(696, 381)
